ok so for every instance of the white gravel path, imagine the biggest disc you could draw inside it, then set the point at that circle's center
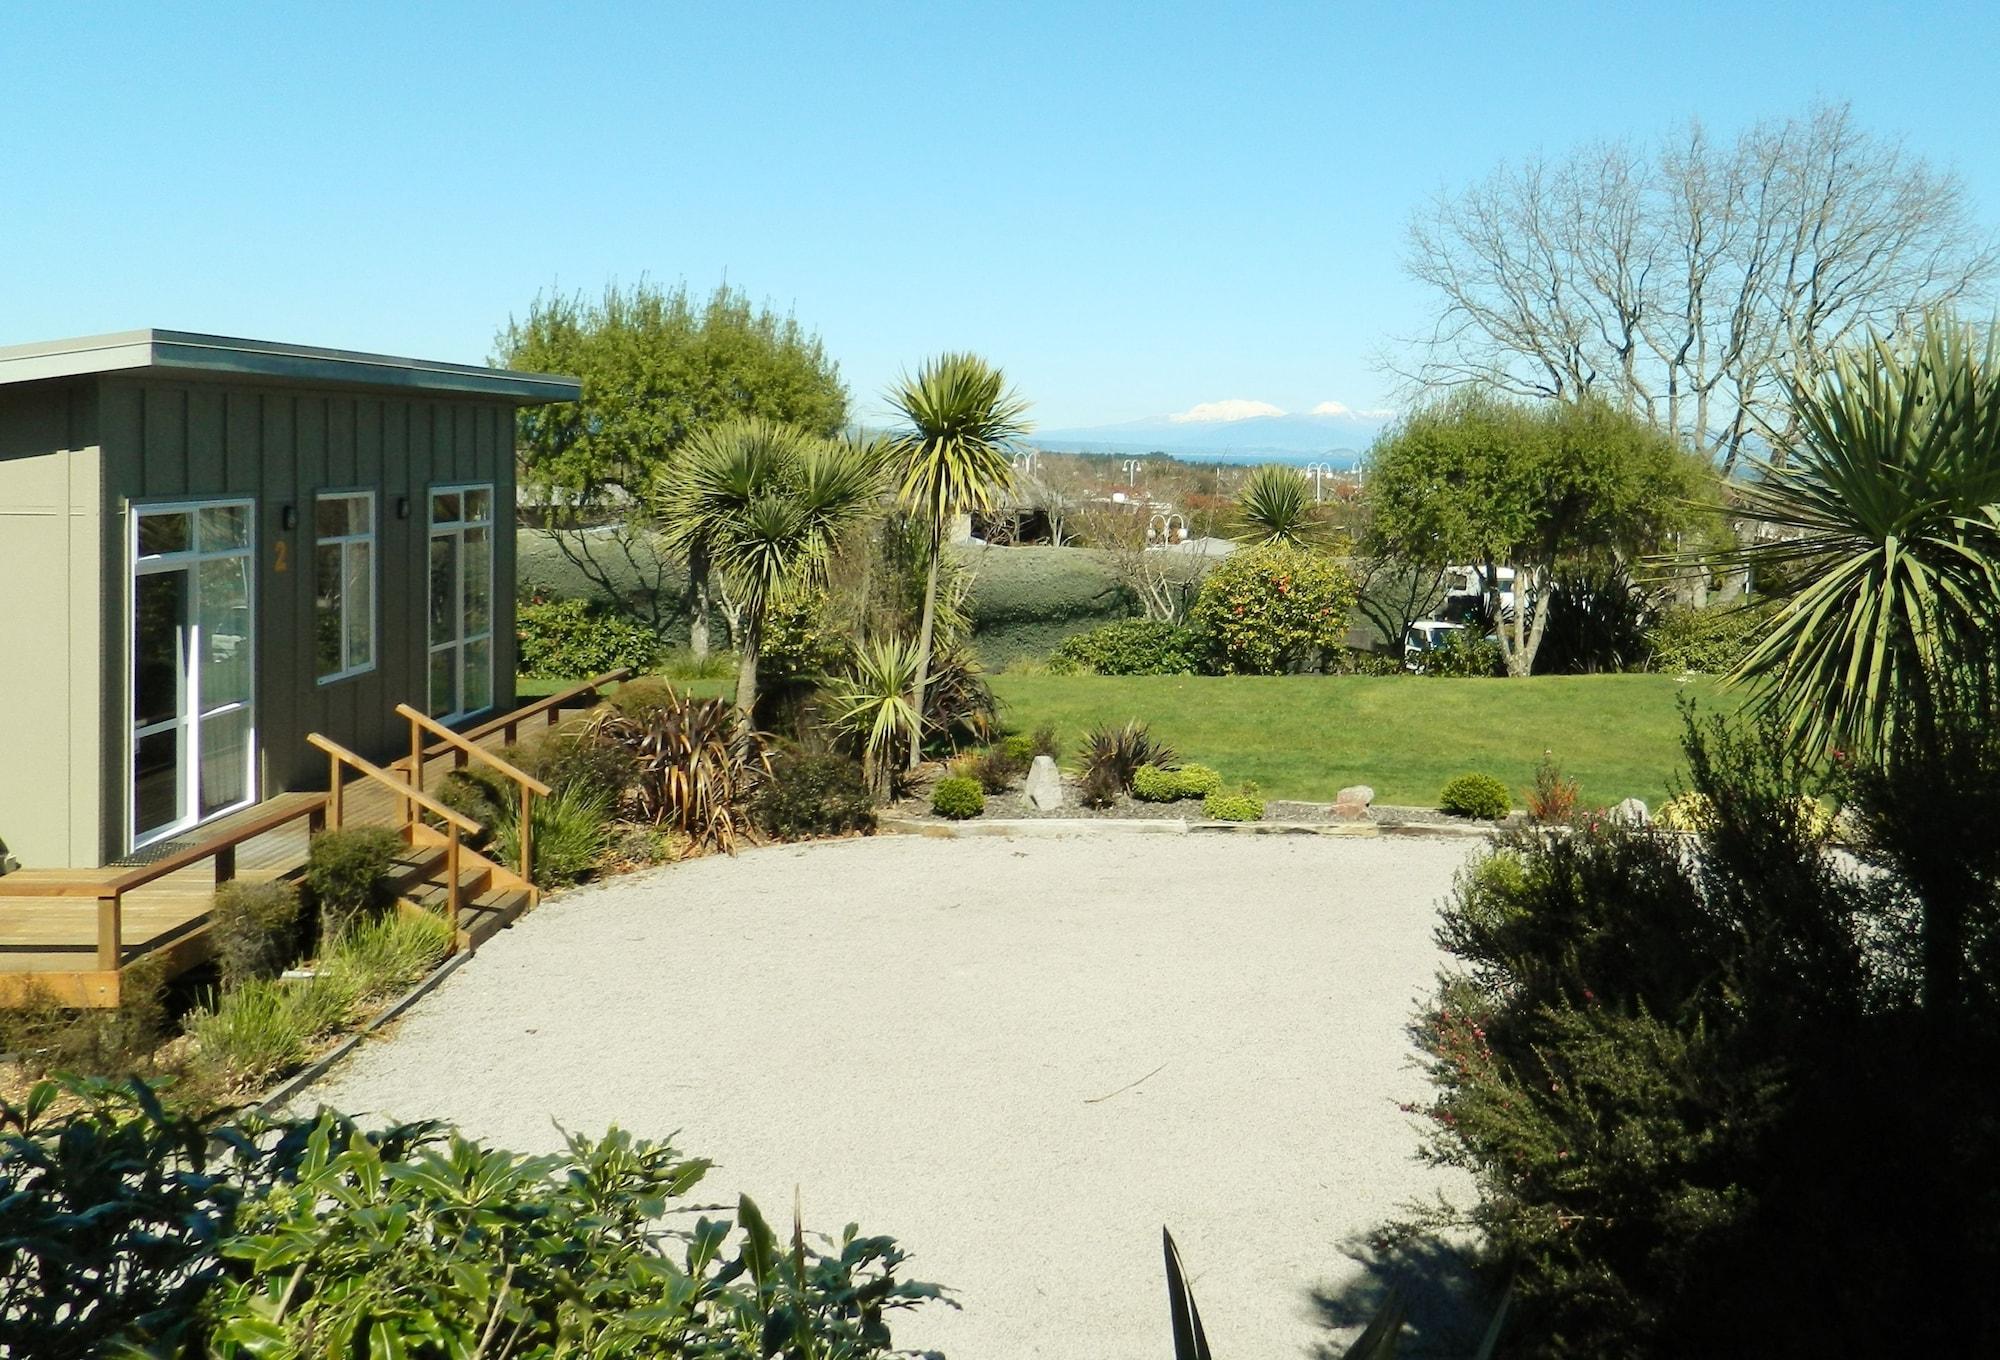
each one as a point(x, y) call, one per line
point(921, 1034)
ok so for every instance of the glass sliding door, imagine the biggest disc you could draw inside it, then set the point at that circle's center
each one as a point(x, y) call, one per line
point(461, 601)
point(192, 650)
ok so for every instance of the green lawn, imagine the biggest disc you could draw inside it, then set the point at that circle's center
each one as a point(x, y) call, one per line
point(1305, 736)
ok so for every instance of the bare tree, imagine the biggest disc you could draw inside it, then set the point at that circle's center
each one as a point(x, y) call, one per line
point(1691, 283)
point(1164, 582)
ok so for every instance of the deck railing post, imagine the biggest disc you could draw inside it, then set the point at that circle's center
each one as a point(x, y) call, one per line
point(110, 930)
point(527, 832)
point(333, 789)
point(416, 772)
point(451, 875)
point(225, 865)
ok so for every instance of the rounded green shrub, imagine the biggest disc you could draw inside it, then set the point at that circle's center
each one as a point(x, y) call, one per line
point(255, 929)
point(1475, 795)
point(1233, 807)
point(958, 798)
point(1198, 781)
point(1273, 609)
point(1151, 784)
point(1129, 647)
point(574, 640)
point(817, 794)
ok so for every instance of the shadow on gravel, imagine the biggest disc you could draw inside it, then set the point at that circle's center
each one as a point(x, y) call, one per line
point(1447, 1305)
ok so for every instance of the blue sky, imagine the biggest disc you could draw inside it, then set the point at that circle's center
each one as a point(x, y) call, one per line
point(1134, 208)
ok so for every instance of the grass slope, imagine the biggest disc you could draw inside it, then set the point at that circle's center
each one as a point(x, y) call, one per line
point(1306, 736)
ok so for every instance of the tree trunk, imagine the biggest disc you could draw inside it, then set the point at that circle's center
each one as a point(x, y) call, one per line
point(698, 597)
point(924, 646)
point(746, 669)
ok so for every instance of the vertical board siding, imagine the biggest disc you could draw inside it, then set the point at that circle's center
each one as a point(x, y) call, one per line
point(167, 440)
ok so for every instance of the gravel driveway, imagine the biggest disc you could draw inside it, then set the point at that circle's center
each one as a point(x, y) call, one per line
point(1018, 1056)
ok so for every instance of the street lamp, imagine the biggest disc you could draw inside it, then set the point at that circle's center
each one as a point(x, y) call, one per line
point(1131, 472)
point(1317, 471)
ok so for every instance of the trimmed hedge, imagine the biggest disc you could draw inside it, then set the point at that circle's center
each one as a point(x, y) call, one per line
point(1130, 647)
point(958, 798)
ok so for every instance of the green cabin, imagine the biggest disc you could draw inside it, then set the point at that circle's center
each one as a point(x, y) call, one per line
point(211, 547)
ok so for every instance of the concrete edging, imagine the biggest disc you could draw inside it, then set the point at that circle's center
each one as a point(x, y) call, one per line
point(1167, 826)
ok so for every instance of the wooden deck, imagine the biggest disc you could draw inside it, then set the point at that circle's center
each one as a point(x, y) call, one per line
point(57, 925)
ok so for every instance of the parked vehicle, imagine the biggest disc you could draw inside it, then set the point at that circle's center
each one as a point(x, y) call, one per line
point(1423, 637)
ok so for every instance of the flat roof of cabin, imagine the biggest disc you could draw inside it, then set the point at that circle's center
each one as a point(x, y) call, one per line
point(190, 354)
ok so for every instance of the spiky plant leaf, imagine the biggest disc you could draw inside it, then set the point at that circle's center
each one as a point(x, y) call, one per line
point(1275, 506)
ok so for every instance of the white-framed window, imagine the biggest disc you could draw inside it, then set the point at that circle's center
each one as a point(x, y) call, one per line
point(343, 584)
point(192, 665)
point(461, 600)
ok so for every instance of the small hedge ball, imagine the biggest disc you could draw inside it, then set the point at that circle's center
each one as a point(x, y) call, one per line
point(1475, 795)
point(958, 798)
point(1232, 807)
point(1151, 784)
point(1198, 781)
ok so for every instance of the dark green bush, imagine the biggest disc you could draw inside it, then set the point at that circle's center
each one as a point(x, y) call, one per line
point(1360, 661)
point(45, 1036)
point(255, 927)
point(1130, 647)
point(573, 759)
point(1475, 795)
point(347, 873)
point(1702, 1084)
point(1599, 621)
point(958, 797)
point(572, 640)
point(1711, 641)
point(815, 794)
point(132, 1230)
point(1099, 787)
point(998, 768)
point(1464, 656)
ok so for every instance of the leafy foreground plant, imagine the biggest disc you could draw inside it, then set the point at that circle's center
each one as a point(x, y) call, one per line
point(1114, 754)
point(134, 1230)
point(698, 762)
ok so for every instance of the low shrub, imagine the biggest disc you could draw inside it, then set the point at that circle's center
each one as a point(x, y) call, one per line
point(479, 793)
point(1130, 647)
point(997, 769)
point(1246, 806)
point(1463, 656)
point(801, 641)
point(45, 1036)
point(815, 794)
point(572, 640)
point(380, 958)
point(1120, 751)
point(959, 705)
point(1475, 795)
point(1272, 609)
point(1362, 661)
point(1019, 748)
point(347, 873)
point(642, 847)
point(958, 798)
point(1045, 742)
point(571, 827)
point(255, 927)
point(1691, 811)
point(1711, 641)
point(1151, 784)
point(573, 759)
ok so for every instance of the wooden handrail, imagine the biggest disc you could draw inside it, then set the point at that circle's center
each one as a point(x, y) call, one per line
point(453, 740)
point(342, 756)
point(550, 704)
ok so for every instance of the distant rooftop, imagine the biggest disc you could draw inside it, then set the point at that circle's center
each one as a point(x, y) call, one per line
point(186, 353)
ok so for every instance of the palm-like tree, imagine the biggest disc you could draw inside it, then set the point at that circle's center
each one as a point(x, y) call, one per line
point(1888, 516)
point(872, 701)
point(768, 502)
point(1274, 506)
point(954, 453)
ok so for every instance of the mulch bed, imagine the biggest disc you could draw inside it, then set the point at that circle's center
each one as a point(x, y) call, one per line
point(1014, 804)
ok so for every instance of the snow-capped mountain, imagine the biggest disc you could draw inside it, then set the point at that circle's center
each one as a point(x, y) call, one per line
point(1234, 428)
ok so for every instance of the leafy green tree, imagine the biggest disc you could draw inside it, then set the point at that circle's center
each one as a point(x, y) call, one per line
point(768, 502)
point(1273, 608)
point(657, 364)
point(1883, 527)
point(1275, 506)
point(1480, 480)
point(960, 423)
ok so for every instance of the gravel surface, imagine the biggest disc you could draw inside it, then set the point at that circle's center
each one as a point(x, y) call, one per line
point(1020, 1057)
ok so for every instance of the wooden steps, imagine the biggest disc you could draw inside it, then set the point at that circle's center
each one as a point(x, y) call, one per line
point(490, 895)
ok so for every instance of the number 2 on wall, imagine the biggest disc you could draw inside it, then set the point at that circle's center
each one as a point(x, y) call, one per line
point(283, 560)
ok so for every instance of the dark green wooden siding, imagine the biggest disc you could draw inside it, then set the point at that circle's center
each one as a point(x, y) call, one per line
point(166, 441)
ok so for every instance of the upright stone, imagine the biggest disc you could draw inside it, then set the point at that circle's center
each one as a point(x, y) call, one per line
point(1044, 786)
point(1632, 812)
point(1351, 803)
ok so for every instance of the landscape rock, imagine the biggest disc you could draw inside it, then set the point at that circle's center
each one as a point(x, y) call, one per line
point(1631, 812)
point(1044, 784)
point(1351, 803)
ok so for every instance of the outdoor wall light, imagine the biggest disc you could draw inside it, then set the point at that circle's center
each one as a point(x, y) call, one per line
point(288, 518)
point(402, 507)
